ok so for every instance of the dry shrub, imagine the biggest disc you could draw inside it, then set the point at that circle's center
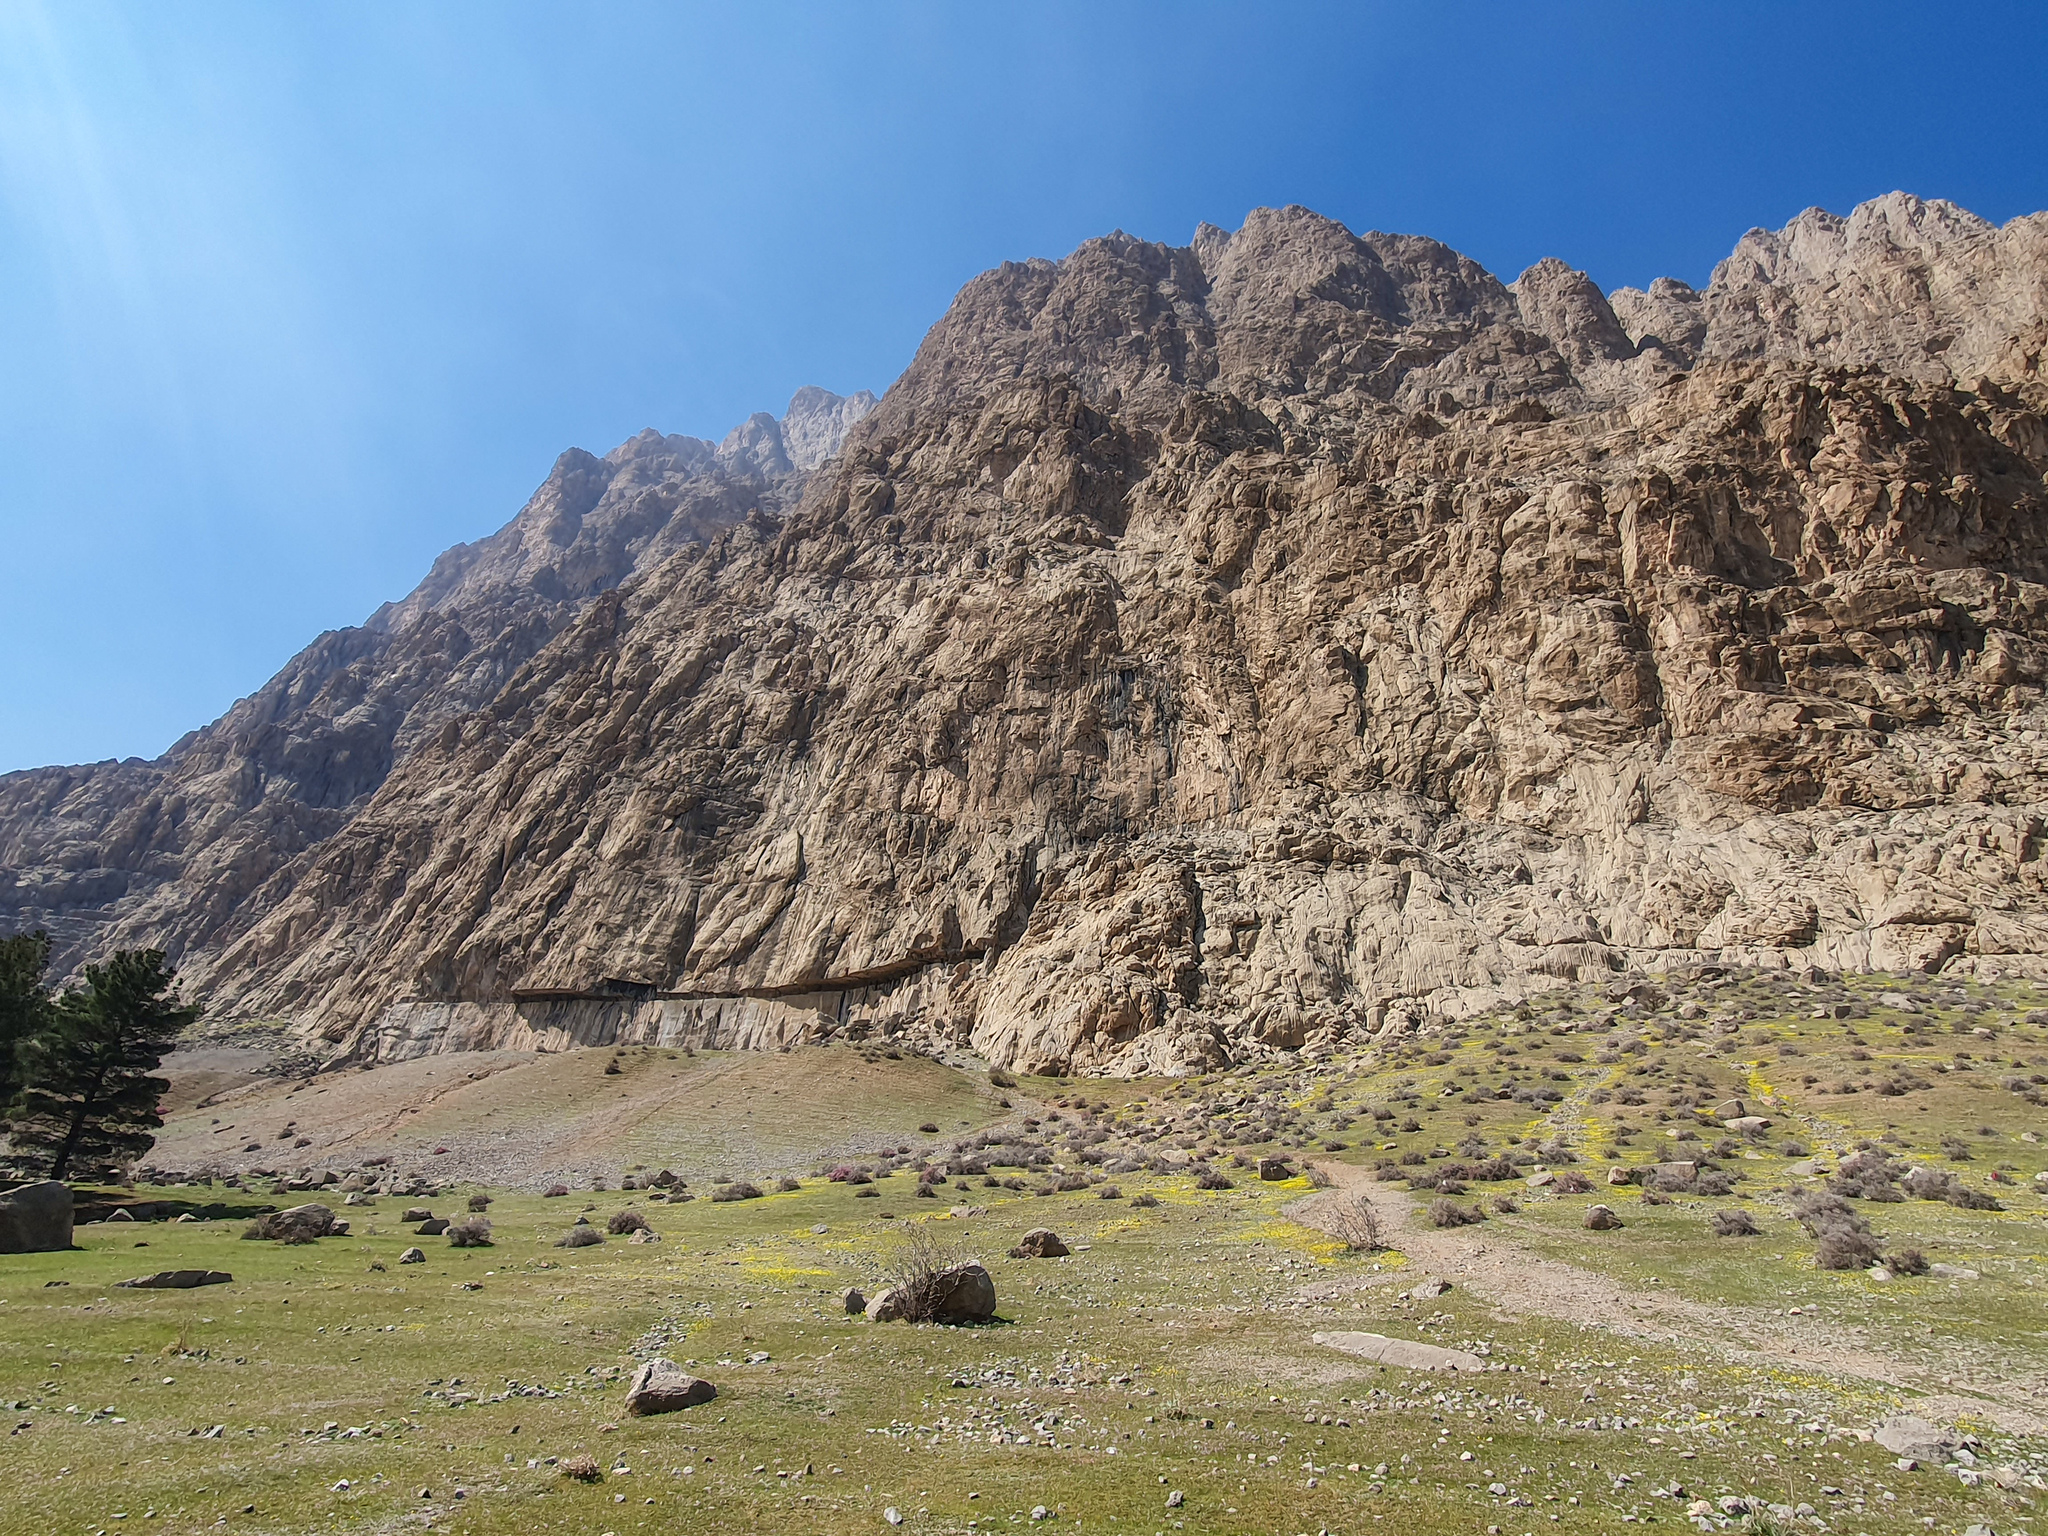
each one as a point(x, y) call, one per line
point(1735, 1224)
point(788, 1186)
point(920, 1258)
point(998, 1078)
point(1505, 1205)
point(1448, 1213)
point(479, 1203)
point(584, 1469)
point(1570, 1183)
point(1355, 1222)
point(579, 1237)
point(1907, 1261)
point(1209, 1178)
point(623, 1222)
point(1145, 1202)
point(555, 1192)
point(1844, 1248)
point(740, 1189)
point(475, 1232)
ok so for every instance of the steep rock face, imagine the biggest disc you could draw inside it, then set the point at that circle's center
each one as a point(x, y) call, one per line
point(185, 851)
point(1202, 651)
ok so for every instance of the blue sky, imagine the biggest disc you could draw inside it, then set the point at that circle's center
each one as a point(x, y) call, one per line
point(294, 296)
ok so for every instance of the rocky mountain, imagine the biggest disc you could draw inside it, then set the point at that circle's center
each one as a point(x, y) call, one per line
point(188, 850)
point(1208, 651)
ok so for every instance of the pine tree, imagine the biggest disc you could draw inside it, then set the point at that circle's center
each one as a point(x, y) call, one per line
point(89, 1099)
point(24, 1005)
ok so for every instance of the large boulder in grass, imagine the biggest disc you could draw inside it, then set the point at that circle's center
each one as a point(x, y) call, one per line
point(297, 1224)
point(35, 1218)
point(662, 1386)
point(966, 1293)
point(1040, 1243)
point(1601, 1218)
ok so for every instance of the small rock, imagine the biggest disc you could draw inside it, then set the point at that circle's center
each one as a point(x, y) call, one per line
point(1039, 1512)
point(1175, 1499)
point(644, 1235)
point(1430, 1288)
point(854, 1301)
point(893, 1515)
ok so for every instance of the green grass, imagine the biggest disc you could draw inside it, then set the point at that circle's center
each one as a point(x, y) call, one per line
point(1172, 1352)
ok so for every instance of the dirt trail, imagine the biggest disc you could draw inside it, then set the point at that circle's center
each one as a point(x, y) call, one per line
point(1487, 1262)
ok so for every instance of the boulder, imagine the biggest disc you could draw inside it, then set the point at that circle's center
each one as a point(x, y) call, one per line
point(644, 1235)
point(1618, 1176)
point(1274, 1169)
point(177, 1280)
point(298, 1224)
point(35, 1218)
point(885, 1306)
point(433, 1228)
point(854, 1301)
point(1600, 1218)
point(1915, 1439)
point(1040, 1243)
point(963, 1294)
point(413, 1256)
point(1747, 1123)
point(662, 1386)
point(417, 1213)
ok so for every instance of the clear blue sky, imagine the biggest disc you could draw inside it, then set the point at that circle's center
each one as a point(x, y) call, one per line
point(293, 296)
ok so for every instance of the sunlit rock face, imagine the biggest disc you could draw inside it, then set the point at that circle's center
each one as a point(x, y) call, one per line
point(1200, 652)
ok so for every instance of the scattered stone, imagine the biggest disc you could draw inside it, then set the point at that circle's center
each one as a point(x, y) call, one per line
point(644, 1235)
point(177, 1280)
point(1040, 1243)
point(1429, 1289)
point(1403, 1354)
point(35, 1218)
point(662, 1386)
point(1600, 1218)
point(1175, 1499)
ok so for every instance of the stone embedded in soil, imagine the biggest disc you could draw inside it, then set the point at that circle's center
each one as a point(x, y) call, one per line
point(1403, 1354)
point(177, 1280)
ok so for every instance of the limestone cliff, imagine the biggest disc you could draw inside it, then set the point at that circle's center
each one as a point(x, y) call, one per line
point(187, 850)
point(1202, 651)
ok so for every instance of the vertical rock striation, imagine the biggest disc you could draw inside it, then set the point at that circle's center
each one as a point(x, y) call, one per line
point(1206, 651)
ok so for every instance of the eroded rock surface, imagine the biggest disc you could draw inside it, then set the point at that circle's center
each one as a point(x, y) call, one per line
point(1209, 651)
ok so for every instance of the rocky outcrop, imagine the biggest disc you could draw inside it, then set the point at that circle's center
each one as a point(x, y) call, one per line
point(1209, 651)
point(184, 852)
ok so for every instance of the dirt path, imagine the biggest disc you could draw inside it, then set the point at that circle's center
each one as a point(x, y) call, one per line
point(1488, 1262)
